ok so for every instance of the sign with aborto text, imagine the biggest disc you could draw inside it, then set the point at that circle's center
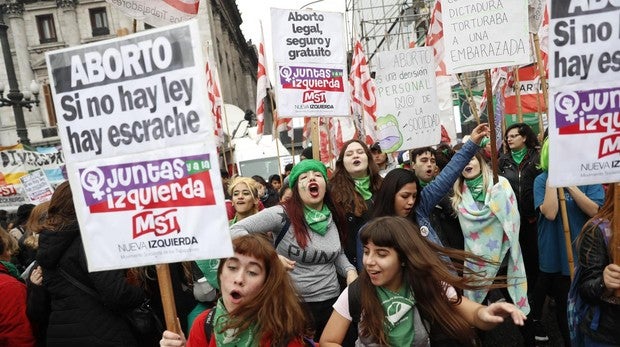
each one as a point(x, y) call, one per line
point(139, 147)
point(407, 107)
point(310, 63)
point(584, 94)
point(36, 186)
point(484, 34)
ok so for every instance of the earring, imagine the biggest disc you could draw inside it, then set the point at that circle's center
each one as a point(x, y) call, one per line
point(402, 264)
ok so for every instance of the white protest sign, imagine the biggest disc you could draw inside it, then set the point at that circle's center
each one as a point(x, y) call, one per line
point(140, 150)
point(483, 34)
point(407, 106)
point(584, 95)
point(536, 10)
point(158, 12)
point(37, 187)
point(310, 63)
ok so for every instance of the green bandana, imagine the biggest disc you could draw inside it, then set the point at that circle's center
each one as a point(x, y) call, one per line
point(10, 267)
point(476, 188)
point(423, 184)
point(362, 185)
point(230, 337)
point(518, 155)
point(399, 315)
point(484, 142)
point(317, 220)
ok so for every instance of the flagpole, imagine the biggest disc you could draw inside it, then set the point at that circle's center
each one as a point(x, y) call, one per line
point(314, 135)
point(517, 87)
point(567, 238)
point(542, 74)
point(277, 133)
point(491, 116)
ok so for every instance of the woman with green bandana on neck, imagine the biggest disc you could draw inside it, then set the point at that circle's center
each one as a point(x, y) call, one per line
point(408, 294)
point(258, 306)
point(490, 221)
point(352, 187)
point(307, 227)
point(520, 167)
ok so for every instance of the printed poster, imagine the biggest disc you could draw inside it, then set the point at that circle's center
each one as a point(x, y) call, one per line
point(484, 34)
point(140, 150)
point(584, 95)
point(310, 63)
point(36, 187)
point(16, 162)
point(407, 106)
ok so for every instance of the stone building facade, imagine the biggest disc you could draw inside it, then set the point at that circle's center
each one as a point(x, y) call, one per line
point(36, 27)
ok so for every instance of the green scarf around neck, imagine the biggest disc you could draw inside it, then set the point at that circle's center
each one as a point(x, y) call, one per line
point(518, 155)
point(231, 338)
point(423, 184)
point(399, 315)
point(476, 187)
point(12, 269)
point(362, 185)
point(317, 220)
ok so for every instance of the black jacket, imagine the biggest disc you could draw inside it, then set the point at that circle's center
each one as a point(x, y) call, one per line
point(593, 258)
point(521, 178)
point(76, 317)
point(446, 223)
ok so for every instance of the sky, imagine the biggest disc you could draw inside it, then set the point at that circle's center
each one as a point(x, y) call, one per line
point(255, 11)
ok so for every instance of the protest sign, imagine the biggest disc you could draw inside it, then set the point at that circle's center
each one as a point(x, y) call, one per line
point(158, 12)
point(140, 150)
point(483, 34)
point(36, 186)
point(16, 162)
point(407, 107)
point(584, 95)
point(310, 63)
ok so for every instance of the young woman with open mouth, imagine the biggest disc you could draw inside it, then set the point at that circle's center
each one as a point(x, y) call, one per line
point(352, 187)
point(306, 229)
point(404, 287)
point(489, 218)
point(258, 307)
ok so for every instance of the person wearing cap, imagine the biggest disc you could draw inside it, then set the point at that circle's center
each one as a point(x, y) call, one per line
point(383, 160)
point(308, 240)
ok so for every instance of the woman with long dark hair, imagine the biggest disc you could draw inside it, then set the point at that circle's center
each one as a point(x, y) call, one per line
point(600, 277)
point(352, 188)
point(78, 318)
point(407, 293)
point(308, 239)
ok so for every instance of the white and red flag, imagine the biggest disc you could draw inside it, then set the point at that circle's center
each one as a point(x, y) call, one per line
point(434, 38)
point(262, 83)
point(215, 99)
point(158, 12)
point(363, 100)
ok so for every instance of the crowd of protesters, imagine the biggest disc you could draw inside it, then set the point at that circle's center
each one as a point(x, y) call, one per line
point(375, 253)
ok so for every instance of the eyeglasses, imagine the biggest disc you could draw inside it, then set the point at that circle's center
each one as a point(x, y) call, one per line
point(512, 136)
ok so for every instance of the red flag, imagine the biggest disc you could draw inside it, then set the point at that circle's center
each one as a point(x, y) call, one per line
point(261, 86)
point(434, 38)
point(530, 90)
point(282, 124)
point(363, 101)
point(215, 98)
point(324, 141)
point(307, 131)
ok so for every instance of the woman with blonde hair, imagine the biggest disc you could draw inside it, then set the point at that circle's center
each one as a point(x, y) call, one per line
point(244, 196)
point(489, 218)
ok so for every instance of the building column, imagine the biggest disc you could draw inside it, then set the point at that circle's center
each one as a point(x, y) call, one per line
point(68, 22)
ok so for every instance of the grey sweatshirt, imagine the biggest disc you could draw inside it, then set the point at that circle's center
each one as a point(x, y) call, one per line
point(315, 269)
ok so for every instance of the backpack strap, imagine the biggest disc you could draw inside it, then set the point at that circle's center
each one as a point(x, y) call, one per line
point(208, 326)
point(355, 301)
point(283, 231)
